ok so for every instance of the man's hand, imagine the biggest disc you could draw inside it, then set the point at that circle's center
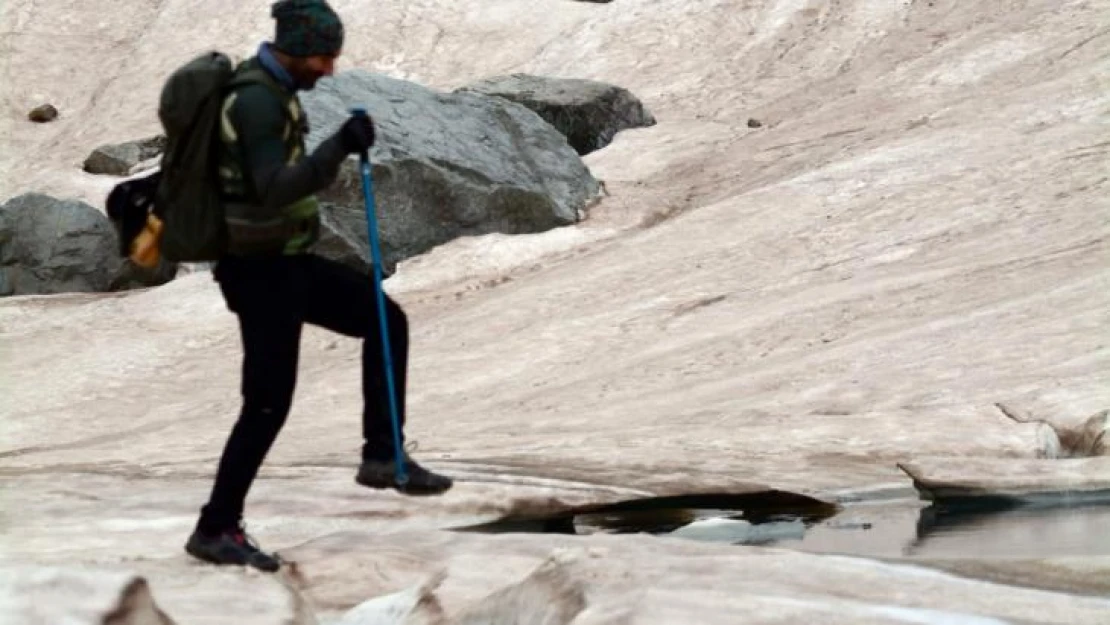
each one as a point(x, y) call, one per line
point(357, 134)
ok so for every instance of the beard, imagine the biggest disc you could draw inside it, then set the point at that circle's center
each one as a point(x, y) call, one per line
point(305, 77)
point(307, 80)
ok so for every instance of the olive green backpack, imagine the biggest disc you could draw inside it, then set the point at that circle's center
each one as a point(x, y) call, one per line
point(188, 197)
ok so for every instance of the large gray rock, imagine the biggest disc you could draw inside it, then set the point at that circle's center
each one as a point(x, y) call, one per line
point(446, 165)
point(343, 236)
point(48, 245)
point(120, 159)
point(587, 112)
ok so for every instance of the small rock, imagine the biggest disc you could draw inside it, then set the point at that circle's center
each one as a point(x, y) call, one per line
point(754, 123)
point(43, 114)
point(122, 159)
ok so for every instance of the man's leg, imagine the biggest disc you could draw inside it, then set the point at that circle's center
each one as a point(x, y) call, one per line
point(264, 294)
point(343, 300)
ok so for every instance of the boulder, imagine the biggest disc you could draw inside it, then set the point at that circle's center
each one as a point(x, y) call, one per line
point(343, 236)
point(123, 159)
point(446, 165)
point(587, 112)
point(43, 114)
point(49, 245)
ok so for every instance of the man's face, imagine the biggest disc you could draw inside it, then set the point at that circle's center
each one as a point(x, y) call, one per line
point(307, 70)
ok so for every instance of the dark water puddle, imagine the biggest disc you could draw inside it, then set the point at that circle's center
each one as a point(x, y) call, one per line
point(662, 515)
point(981, 530)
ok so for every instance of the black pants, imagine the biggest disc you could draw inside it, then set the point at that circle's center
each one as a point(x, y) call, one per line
point(274, 297)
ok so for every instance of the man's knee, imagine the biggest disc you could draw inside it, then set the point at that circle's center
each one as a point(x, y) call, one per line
point(267, 412)
point(398, 319)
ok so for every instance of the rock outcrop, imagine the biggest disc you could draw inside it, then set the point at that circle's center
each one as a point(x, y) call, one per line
point(589, 113)
point(446, 165)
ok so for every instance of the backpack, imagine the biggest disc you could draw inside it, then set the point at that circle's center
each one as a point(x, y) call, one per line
point(188, 197)
point(179, 211)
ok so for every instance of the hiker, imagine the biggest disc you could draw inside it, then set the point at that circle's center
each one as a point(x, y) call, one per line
point(274, 284)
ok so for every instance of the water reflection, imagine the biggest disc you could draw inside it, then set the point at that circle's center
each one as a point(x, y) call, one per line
point(910, 529)
point(1023, 531)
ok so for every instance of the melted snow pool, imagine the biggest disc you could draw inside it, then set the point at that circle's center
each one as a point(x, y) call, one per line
point(890, 528)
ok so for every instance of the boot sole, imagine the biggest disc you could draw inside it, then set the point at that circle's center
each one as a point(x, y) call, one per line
point(207, 559)
point(404, 490)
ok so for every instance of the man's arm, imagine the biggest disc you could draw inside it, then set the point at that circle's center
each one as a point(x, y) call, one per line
point(260, 121)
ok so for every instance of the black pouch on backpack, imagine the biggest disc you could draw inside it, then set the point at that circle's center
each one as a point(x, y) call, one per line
point(128, 205)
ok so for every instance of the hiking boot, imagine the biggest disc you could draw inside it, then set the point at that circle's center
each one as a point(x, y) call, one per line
point(231, 547)
point(379, 474)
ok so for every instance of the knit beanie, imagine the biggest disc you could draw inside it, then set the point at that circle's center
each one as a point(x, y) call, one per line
point(307, 28)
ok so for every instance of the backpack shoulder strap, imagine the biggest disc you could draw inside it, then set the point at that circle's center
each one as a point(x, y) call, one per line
point(250, 75)
point(247, 74)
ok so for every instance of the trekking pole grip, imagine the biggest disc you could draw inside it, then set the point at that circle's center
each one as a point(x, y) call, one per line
point(360, 111)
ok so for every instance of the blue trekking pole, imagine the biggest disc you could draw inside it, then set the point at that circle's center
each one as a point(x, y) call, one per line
point(387, 354)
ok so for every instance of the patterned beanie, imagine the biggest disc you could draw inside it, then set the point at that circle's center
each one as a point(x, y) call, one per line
point(307, 28)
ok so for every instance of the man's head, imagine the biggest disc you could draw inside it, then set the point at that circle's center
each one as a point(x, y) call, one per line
point(309, 35)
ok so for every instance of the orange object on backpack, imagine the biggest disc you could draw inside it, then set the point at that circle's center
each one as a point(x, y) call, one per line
point(146, 246)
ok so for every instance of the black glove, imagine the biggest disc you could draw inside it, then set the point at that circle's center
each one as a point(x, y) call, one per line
point(357, 134)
